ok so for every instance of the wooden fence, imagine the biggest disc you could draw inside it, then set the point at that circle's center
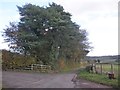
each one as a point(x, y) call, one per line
point(39, 67)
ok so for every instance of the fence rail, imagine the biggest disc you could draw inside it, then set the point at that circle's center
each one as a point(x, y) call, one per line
point(39, 67)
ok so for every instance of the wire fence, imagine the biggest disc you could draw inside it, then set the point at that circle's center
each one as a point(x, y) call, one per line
point(105, 68)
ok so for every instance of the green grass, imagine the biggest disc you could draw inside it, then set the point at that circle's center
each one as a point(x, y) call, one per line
point(98, 78)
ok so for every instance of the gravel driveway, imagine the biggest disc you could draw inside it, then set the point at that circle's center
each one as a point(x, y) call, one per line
point(40, 80)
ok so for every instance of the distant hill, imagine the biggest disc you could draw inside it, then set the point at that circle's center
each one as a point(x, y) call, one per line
point(111, 58)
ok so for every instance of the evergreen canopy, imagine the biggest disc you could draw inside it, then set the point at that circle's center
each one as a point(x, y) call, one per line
point(47, 33)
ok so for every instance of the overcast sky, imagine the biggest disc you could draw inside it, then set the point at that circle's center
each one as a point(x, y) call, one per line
point(98, 17)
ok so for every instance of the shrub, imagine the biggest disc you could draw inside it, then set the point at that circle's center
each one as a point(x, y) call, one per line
point(89, 68)
point(14, 60)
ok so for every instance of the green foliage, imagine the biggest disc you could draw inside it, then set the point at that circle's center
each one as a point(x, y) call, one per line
point(47, 34)
point(70, 67)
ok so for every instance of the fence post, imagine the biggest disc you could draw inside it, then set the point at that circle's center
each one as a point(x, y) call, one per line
point(95, 69)
point(101, 67)
point(32, 67)
point(111, 68)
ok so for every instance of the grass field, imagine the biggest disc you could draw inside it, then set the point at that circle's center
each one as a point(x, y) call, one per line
point(102, 78)
point(98, 78)
point(107, 68)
